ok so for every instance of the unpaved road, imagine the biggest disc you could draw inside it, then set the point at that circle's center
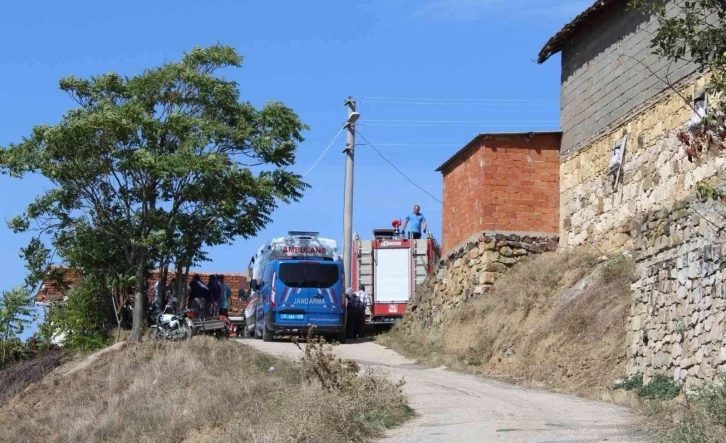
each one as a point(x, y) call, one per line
point(453, 407)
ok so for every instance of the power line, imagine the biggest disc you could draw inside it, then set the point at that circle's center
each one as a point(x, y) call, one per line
point(493, 122)
point(453, 100)
point(489, 103)
point(324, 152)
point(394, 167)
point(416, 144)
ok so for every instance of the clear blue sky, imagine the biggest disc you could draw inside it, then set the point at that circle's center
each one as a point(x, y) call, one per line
point(311, 56)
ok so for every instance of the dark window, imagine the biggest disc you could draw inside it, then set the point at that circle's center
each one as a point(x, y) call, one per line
point(308, 275)
point(267, 275)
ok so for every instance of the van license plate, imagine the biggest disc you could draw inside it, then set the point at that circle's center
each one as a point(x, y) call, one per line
point(292, 316)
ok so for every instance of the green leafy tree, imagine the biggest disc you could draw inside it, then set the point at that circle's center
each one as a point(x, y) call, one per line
point(141, 156)
point(16, 312)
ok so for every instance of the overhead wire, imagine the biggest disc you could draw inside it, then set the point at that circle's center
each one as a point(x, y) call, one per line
point(324, 152)
point(493, 122)
point(396, 168)
point(370, 99)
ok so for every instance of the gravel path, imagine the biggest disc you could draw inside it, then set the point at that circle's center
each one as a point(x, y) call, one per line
point(453, 407)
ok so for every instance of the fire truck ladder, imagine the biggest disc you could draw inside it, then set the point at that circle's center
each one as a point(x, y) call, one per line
point(420, 260)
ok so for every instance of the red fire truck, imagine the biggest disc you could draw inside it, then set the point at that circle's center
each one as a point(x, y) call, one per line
point(390, 267)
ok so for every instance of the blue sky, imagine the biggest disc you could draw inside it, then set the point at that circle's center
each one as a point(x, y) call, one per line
point(428, 75)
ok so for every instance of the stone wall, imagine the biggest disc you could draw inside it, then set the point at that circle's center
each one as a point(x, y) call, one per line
point(656, 172)
point(678, 313)
point(469, 271)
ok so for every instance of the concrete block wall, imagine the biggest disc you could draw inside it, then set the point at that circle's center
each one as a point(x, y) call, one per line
point(506, 183)
point(606, 74)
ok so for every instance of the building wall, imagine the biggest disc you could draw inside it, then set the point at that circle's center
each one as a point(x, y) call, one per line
point(656, 172)
point(606, 74)
point(506, 184)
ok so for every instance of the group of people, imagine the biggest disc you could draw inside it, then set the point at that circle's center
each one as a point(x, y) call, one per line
point(358, 301)
point(212, 298)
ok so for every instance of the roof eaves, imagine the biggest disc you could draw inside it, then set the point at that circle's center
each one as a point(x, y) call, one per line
point(469, 145)
point(558, 41)
point(459, 153)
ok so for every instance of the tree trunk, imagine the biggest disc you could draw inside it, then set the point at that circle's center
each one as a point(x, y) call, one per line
point(163, 277)
point(179, 288)
point(139, 305)
point(116, 312)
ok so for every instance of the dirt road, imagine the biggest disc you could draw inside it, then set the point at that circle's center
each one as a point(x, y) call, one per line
point(452, 407)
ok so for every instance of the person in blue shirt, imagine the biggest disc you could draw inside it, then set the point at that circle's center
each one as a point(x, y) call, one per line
point(417, 223)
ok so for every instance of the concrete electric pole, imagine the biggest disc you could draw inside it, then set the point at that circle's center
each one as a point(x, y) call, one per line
point(348, 197)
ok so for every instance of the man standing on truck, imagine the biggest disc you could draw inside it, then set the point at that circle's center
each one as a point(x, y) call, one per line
point(417, 221)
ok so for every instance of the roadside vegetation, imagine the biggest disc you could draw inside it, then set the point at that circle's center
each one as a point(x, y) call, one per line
point(205, 390)
point(557, 321)
point(696, 417)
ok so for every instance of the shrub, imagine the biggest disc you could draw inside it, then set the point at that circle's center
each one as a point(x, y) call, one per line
point(660, 387)
point(86, 318)
point(704, 420)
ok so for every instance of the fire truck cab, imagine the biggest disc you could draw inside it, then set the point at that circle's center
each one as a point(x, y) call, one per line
point(390, 267)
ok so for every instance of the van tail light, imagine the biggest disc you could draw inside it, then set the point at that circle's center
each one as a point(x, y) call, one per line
point(273, 290)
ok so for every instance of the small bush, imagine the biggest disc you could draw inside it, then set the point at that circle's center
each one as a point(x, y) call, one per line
point(661, 387)
point(634, 382)
point(704, 420)
point(86, 318)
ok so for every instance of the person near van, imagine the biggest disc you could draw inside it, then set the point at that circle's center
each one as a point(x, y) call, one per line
point(198, 295)
point(215, 295)
point(365, 300)
point(355, 308)
point(226, 296)
point(417, 222)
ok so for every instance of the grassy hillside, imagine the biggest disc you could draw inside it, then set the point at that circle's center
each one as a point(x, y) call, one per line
point(530, 328)
point(204, 390)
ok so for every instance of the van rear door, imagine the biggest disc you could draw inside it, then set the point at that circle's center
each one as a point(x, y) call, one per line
point(326, 304)
point(312, 293)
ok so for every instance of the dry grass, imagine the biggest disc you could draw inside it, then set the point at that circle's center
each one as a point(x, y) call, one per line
point(526, 330)
point(202, 390)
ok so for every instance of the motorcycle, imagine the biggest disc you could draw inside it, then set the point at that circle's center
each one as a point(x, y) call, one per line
point(170, 326)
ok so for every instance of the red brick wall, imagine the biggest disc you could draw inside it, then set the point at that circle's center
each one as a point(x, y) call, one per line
point(49, 293)
point(506, 183)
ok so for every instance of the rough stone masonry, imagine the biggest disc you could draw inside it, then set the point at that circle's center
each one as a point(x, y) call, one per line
point(678, 313)
point(469, 271)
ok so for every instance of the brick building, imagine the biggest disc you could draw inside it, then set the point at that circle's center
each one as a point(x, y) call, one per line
point(614, 98)
point(501, 183)
point(49, 292)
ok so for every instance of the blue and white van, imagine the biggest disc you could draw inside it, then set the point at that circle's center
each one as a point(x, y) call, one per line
point(296, 282)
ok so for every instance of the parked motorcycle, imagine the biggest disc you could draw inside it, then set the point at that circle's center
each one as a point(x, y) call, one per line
point(170, 326)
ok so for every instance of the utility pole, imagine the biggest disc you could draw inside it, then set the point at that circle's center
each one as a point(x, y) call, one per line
point(348, 197)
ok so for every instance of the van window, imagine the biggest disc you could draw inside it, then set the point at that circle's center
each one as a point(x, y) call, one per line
point(267, 274)
point(309, 275)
